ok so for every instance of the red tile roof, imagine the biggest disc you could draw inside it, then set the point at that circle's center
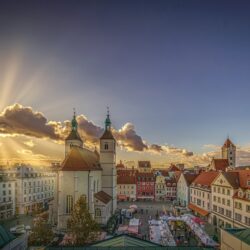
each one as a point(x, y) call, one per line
point(205, 178)
point(227, 143)
point(171, 182)
point(126, 179)
point(145, 177)
point(189, 177)
point(177, 175)
point(126, 172)
point(103, 197)
point(144, 164)
point(232, 178)
point(80, 159)
point(220, 164)
point(173, 168)
point(120, 165)
point(243, 176)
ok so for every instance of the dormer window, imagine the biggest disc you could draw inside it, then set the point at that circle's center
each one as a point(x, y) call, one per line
point(240, 194)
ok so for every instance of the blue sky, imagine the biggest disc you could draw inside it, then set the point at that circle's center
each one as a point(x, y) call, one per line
point(178, 70)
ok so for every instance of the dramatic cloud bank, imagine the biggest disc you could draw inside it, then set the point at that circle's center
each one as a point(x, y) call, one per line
point(19, 120)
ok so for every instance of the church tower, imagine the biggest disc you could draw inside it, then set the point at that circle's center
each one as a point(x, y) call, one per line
point(228, 151)
point(108, 162)
point(73, 138)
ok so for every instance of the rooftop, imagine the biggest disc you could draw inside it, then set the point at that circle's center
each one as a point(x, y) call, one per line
point(242, 234)
point(80, 159)
point(5, 237)
point(103, 197)
point(205, 178)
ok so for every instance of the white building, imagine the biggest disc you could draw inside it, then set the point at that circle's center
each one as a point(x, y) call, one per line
point(183, 193)
point(7, 197)
point(89, 174)
point(231, 199)
point(34, 187)
point(126, 186)
point(201, 195)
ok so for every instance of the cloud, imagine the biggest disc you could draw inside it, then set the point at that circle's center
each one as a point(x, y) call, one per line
point(19, 120)
point(29, 143)
point(128, 138)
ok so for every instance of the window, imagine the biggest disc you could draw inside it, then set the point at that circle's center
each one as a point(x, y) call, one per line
point(228, 192)
point(228, 202)
point(214, 208)
point(247, 220)
point(221, 210)
point(106, 146)
point(228, 213)
point(214, 198)
point(238, 217)
point(215, 189)
point(248, 208)
point(98, 212)
point(69, 204)
point(198, 202)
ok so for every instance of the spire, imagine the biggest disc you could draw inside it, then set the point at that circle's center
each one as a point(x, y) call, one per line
point(107, 132)
point(74, 123)
point(107, 121)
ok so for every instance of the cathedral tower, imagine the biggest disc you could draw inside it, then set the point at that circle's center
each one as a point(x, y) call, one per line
point(108, 162)
point(73, 138)
point(228, 152)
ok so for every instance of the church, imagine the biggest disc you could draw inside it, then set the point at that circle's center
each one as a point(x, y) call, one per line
point(87, 173)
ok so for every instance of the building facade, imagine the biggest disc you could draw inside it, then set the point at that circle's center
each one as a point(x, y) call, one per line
point(160, 188)
point(171, 188)
point(87, 174)
point(126, 187)
point(201, 195)
point(35, 187)
point(145, 186)
point(7, 197)
point(231, 199)
point(183, 193)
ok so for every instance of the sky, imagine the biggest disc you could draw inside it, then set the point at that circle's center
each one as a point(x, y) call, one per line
point(175, 74)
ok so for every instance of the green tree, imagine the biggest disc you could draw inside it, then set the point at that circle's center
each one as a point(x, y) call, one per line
point(81, 225)
point(41, 233)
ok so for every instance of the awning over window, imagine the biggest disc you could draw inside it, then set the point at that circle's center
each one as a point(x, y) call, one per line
point(199, 210)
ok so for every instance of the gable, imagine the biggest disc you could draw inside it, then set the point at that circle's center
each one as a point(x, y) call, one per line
point(220, 180)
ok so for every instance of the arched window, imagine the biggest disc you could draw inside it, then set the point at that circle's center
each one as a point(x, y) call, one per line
point(98, 212)
point(69, 204)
